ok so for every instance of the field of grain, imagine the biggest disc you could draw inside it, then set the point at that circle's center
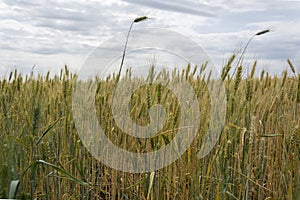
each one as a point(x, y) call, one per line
point(256, 157)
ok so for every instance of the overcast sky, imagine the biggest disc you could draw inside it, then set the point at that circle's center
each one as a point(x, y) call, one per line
point(50, 34)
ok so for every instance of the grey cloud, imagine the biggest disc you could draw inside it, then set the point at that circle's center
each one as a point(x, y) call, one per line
point(55, 27)
point(75, 16)
point(163, 5)
point(20, 3)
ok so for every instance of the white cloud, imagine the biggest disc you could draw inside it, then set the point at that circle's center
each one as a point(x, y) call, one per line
point(56, 32)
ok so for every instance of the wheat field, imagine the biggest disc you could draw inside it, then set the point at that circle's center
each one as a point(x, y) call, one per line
point(256, 157)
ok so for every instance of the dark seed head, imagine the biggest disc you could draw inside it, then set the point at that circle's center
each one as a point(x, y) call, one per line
point(263, 32)
point(139, 19)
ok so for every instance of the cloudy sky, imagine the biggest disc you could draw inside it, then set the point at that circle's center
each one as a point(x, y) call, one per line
point(51, 34)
